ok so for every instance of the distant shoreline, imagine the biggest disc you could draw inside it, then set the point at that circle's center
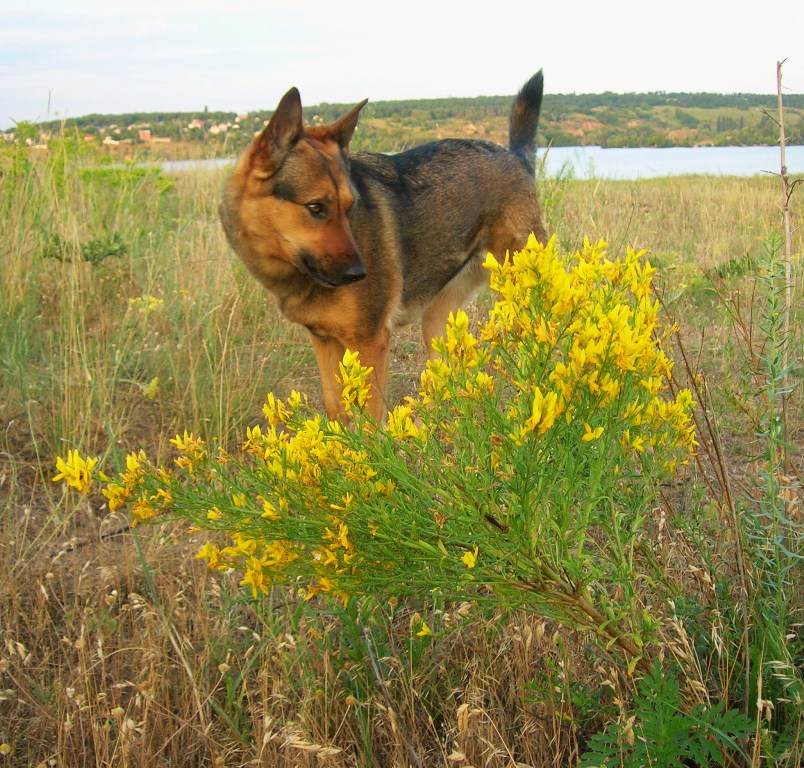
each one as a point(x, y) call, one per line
point(607, 120)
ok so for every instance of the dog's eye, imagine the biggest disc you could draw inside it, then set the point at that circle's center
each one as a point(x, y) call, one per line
point(317, 210)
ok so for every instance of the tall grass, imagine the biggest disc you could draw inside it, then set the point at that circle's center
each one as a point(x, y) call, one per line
point(119, 277)
point(124, 319)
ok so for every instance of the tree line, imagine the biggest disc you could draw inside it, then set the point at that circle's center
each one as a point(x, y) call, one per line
point(605, 119)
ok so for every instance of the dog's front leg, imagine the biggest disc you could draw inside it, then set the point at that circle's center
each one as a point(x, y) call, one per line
point(329, 353)
point(375, 354)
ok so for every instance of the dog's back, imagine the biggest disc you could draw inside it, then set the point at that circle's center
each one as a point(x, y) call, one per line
point(435, 211)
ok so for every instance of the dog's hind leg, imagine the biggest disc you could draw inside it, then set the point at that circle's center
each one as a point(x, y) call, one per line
point(454, 295)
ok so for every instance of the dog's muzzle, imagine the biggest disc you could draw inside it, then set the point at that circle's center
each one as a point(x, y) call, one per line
point(333, 278)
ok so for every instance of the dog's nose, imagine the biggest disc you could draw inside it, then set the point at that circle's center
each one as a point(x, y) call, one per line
point(356, 271)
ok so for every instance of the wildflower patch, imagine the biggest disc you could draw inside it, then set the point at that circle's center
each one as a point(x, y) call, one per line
point(526, 464)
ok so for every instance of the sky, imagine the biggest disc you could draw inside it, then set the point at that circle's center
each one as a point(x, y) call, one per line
point(68, 58)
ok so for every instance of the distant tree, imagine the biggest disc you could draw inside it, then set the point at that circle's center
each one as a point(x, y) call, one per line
point(25, 131)
point(686, 119)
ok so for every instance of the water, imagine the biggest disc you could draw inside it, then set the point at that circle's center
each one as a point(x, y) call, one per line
point(172, 166)
point(651, 162)
point(631, 162)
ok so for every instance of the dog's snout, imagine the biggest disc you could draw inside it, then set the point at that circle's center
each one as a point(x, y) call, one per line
point(331, 276)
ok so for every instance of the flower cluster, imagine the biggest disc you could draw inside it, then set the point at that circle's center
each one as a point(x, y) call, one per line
point(554, 418)
point(146, 305)
point(578, 339)
point(354, 381)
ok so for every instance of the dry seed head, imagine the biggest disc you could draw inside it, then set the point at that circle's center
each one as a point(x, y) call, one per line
point(463, 718)
point(392, 719)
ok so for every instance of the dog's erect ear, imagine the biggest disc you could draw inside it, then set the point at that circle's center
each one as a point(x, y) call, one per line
point(343, 129)
point(284, 129)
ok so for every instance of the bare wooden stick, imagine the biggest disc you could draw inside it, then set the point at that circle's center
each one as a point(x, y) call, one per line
point(787, 190)
point(788, 245)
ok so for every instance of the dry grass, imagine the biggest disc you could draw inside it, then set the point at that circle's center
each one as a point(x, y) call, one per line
point(120, 649)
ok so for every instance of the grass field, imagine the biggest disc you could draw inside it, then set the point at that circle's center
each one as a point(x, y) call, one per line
point(125, 319)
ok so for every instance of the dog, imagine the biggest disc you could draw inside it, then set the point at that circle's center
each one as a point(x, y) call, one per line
point(355, 245)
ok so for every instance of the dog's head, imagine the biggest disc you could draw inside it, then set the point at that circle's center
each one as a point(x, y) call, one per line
point(286, 206)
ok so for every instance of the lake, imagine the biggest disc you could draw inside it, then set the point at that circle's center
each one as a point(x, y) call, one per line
point(650, 162)
point(633, 162)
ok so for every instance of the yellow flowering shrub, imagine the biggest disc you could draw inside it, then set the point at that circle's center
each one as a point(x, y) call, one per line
point(527, 463)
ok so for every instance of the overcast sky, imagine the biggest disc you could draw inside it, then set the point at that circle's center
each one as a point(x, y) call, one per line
point(67, 58)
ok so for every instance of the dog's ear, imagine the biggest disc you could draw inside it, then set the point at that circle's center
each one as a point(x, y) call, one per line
point(284, 129)
point(343, 129)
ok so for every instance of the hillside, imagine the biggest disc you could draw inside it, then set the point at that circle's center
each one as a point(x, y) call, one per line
point(608, 120)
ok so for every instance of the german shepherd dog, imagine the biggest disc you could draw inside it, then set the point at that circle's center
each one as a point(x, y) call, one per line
point(356, 245)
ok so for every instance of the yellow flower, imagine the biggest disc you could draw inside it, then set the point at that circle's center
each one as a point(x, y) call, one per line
point(354, 381)
point(134, 462)
point(458, 340)
point(424, 630)
point(254, 441)
point(188, 443)
point(435, 379)
point(544, 411)
point(151, 389)
point(325, 585)
point(255, 577)
point(296, 399)
point(491, 262)
point(326, 556)
point(116, 494)
point(469, 559)
point(76, 471)
point(400, 423)
point(193, 449)
point(639, 277)
point(268, 509)
point(182, 462)
point(275, 411)
point(211, 554)
point(590, 434)
point(343, 536)
point(142, 510)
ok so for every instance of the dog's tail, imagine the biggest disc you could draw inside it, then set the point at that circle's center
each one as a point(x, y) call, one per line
point(524, 120)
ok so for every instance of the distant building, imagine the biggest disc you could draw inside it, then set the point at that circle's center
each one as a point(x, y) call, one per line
point(146, 134)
